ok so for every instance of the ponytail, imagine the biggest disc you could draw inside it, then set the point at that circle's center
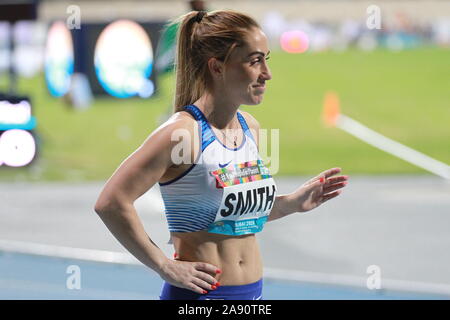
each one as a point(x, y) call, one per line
point(200, 37)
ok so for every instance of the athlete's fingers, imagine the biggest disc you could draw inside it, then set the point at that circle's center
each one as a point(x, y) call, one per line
point(334, 187)
point(193, 287)
point(330, 172)
point(206, 277)
point(202, 284)
point(337, 179)
point(324, 177)
point(331, 195)
point(203, 266)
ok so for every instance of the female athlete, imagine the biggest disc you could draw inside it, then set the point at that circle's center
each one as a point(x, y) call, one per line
point(217, 191)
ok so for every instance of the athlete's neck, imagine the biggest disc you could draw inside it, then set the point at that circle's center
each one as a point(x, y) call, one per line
point(219, 113)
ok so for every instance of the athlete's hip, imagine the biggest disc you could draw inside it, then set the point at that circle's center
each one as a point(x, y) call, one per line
point(250, 291)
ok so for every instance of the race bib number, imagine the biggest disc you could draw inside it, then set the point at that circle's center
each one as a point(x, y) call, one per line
point(249, 193)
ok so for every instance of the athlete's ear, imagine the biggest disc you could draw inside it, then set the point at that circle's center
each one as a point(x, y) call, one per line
point(215, 67)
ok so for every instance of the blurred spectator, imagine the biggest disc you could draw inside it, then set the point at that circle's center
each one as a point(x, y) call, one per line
point(441, 32)
point(165, 52)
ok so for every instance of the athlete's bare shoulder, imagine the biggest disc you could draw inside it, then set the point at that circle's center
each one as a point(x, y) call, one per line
point(148, 164)
point(179, 119)
point(183, 115)
point(181, 127)
point(175, 125)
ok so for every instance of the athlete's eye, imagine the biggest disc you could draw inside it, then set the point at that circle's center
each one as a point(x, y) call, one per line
point(259, 60)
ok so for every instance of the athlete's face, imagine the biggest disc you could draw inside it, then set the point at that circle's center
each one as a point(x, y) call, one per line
point(247, 71)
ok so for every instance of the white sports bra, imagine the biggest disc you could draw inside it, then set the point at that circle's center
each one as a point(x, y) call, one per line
point(227, 191)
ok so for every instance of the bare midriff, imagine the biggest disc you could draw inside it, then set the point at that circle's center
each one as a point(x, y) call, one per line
point(237, 257)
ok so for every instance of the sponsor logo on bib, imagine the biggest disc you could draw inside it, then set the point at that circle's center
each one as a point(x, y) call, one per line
point(248, 196)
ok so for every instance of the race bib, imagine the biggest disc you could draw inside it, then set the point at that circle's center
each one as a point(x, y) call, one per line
point(249, 193)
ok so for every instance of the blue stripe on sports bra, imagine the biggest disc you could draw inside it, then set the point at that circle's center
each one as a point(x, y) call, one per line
point(207, 135)
point(245, 126)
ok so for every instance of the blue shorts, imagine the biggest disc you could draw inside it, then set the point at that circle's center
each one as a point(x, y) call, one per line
point(251, 291)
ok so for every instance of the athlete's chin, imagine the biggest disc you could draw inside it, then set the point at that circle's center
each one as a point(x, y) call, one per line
point(254, 100)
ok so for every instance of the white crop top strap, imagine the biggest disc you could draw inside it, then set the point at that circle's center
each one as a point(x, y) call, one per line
point(227, 190)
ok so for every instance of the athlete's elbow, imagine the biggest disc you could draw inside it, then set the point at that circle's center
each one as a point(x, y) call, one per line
point(100, 207)
point(111, 202)
point(104, 206)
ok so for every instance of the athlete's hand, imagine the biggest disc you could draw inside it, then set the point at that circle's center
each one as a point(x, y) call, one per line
point(195, 276)
point(317, 190)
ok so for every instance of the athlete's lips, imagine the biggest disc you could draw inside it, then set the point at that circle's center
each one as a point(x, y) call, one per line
point(260, 86)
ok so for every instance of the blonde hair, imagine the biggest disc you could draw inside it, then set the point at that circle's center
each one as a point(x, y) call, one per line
point(201, 36)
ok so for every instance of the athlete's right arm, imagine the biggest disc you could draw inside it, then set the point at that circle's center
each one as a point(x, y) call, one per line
point(115, 206)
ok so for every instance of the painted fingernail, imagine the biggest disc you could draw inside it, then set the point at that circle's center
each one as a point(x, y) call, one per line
point(175, 255)
point(213, 287)
point(204, 291)
point(218, 271)
point(217, 284)
point(322, 180)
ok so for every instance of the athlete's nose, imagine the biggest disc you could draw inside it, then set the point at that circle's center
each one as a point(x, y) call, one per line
point(266, 74)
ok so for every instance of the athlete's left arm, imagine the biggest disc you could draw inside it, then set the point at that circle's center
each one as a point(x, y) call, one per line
point(309, 195)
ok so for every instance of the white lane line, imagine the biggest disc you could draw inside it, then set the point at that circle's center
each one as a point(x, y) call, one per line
point(393, 147)
point(353, 281)
point(269, 273)
point(332, 117)
point(67, 252)
point(53, 291)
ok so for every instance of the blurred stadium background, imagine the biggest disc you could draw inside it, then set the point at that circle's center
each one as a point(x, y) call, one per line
point(66, 123)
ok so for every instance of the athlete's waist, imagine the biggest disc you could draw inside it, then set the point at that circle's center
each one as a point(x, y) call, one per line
point(237, 257)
